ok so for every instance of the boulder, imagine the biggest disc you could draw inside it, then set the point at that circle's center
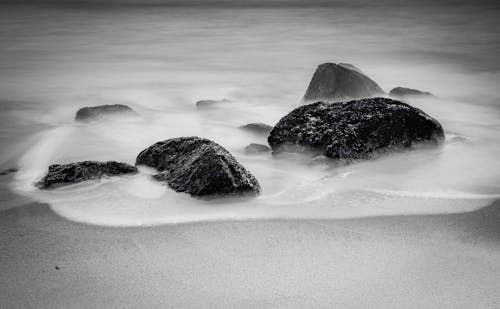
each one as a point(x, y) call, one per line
point(256, 148)
point(198, 166)
point(91, 113)
point(66, 174)
point(257, 128)
point(209, 104)
point(355, 129)
point(339, 82)
point(401, 92)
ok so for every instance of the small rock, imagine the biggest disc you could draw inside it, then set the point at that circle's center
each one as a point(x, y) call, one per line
point(400, 92)
point(256, 148)
point(92, 113)
point(66, 174)
point(8, 171)
point(258, 128)
point(209, 104)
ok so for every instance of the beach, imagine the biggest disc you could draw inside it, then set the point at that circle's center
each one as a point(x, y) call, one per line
point(433, 261)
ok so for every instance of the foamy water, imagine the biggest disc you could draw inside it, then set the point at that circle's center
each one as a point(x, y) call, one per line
point(160, 61)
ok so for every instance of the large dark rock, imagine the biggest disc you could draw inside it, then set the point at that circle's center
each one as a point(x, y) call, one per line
point(256, 148)
point(355, 129)
point(91, 113)
point(66, 174)
point(198, 166)
point(210, 104)
point(339, 82)
point(257, 128)
point(401, 92)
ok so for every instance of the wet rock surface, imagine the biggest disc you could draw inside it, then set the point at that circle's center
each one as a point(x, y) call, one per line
point(66, 174)
point(339, 82)
point(354, 129)
point(198, 166)
point(92, 113)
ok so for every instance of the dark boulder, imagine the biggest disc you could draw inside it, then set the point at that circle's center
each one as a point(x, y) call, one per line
point(66, 174)
point(91, 113)
point(198, 166)
point(339, 82)
point(400, 92)
point(354, 129)
point(256, 148)
point(209, 104)
point(258, 128)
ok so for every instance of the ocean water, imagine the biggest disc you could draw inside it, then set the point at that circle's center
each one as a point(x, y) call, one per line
point(161, 59)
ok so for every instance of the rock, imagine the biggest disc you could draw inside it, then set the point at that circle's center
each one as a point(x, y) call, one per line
point(198, 166)
point(400, 92)
point(209, 104)
point(8, 171)
point(350, 67)
point(354, 129)
point(258, 128)
point(96, 112)
point(332, 82)
point(66, 174)
point(256, 148)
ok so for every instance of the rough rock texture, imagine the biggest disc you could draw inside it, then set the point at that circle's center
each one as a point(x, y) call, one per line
point(400, 92)
point(209, 104)
point(66, 174)
point(258, 128)
point(199, 167)
point(355, 129)
point(96, 112)
point(256, 148)
point(332, 82)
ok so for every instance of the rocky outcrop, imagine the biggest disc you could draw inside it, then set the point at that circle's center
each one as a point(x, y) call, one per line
point(354, 129)
point(401, 92)
point(257, 128)
point(198, 166)
point(339, 82)
point(66, 174)
point(92, 113)
point(209, 104)
point(256, 148)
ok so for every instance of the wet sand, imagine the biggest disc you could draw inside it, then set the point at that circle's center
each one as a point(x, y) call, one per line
point(429, 261)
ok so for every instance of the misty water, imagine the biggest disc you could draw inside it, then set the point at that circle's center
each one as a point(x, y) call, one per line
point(161, 59)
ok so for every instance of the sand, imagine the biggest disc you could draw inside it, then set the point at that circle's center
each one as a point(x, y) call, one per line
point(431, 261)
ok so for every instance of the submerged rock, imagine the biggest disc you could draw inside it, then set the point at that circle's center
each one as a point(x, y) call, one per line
point(96, 112)
point(198, 166)
point(256, 148)
point(338, 82)
point(66, 174)
point(258, 128)
point(8, 171)
point(400, 92)
point(208, 104)
point(355, 129)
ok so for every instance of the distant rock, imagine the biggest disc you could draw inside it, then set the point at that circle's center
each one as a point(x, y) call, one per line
point(8, 171)
point(401, 92)
point(66, 174)
point(258, 128)
point(209, 104)
point(339, 82)
point(198, 166)
point(355, 129)
point(256, 148)
point(91, 113)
